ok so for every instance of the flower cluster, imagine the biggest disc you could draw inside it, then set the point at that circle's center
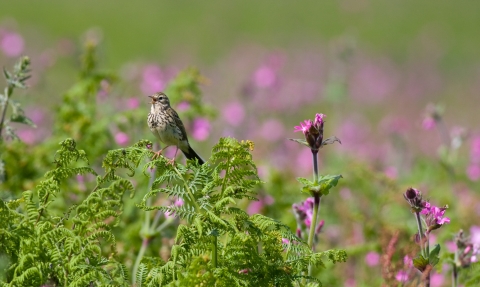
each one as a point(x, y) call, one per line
point(434, 216)
point(468, 248)
point(313, 131)
point(304, 215)
point(414, 198)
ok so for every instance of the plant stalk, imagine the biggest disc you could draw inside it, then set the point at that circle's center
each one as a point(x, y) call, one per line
point(419, 225)
point(315, 165)
point(313, 226)
point(214, 251)
point(4, 111)
point(145, 232)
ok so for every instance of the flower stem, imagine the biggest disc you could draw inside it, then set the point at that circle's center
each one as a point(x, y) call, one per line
point(419, 225)
point(315, 165)
point(313, 225)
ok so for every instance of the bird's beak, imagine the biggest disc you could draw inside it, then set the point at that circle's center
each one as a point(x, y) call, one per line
point(153, 101)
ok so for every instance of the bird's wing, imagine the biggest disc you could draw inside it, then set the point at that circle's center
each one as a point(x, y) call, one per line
point(179, 125)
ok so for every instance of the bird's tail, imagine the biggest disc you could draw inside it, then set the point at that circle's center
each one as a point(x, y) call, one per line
point(191, 154)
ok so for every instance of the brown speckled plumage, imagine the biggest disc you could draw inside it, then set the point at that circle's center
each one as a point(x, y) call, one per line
point(166, 125)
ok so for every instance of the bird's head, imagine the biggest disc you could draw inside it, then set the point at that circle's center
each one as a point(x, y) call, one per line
point(160, 99)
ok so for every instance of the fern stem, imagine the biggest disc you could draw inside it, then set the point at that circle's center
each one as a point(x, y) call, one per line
point(225, 176)
point(145, 232)
point(141, 252)
point(190, 194)
point(214, 251)
point(42, 208)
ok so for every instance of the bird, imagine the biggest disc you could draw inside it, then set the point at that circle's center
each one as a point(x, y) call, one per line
point(166, 125)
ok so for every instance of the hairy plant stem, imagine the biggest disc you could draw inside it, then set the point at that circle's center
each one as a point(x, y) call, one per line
point(315, 165)
point(316, 206)
point(8, 92)
point(419, 226)
point(313, 225)
point(455, 272)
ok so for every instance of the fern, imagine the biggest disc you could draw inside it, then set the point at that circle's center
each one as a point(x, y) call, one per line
point(77, 248)
point(220, 243)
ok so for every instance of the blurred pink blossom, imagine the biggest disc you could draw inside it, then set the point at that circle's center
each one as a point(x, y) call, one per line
point(36, 114)
point(272, 130)
point(437, 280)
point(372, 258)
point(407, 261)
point(391, 172)
point(264, 77)
point(233, 113)
point(473, 172)
point(475, 149)
point(183, 106)
point(402, 276)
point(285, 241)
point(121, 138)
point(153, 80)
point(12, 44)
point(27, 135)
point(428, 123)
point(372, 82)
point(201, 129)
point(451, 246)
point(350, 282)
point(255, 207)
point(133, 103)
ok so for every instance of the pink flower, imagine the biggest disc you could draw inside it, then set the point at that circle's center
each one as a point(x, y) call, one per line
point(12, 44)
point(201, 129)
point(255, 207)
point(475, 150)
point(437, 280)
point(407, 261)
point(473, 172)
point(304, 127)
point(233, 113)
point(183, 106)
point(391, 172)
point(428, 123)
point(121, 138)
point(153, 80)
point(402, 276)
point(285, 241)
point(133, 103)
point(264, 77)
point(272, 130)
point(319, 120)
point(434, 216)
point(372, 258)
point(27, 135)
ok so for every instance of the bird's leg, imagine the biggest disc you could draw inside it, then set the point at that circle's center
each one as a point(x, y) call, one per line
point(158, 153)
point(172, 161)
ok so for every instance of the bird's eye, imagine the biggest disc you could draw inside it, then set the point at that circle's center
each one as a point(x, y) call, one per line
point(161, 98)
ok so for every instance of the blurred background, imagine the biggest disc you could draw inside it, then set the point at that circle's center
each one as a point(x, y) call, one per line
point(399, 82)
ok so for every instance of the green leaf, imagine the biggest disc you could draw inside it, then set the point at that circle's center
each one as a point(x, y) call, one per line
point(420, 262)
point(327, 182)
point(19, 118)
point(301, 141)
point(322, 186)
point(433, 256)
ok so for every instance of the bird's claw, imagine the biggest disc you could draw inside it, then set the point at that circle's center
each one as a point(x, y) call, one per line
point(157, 154)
